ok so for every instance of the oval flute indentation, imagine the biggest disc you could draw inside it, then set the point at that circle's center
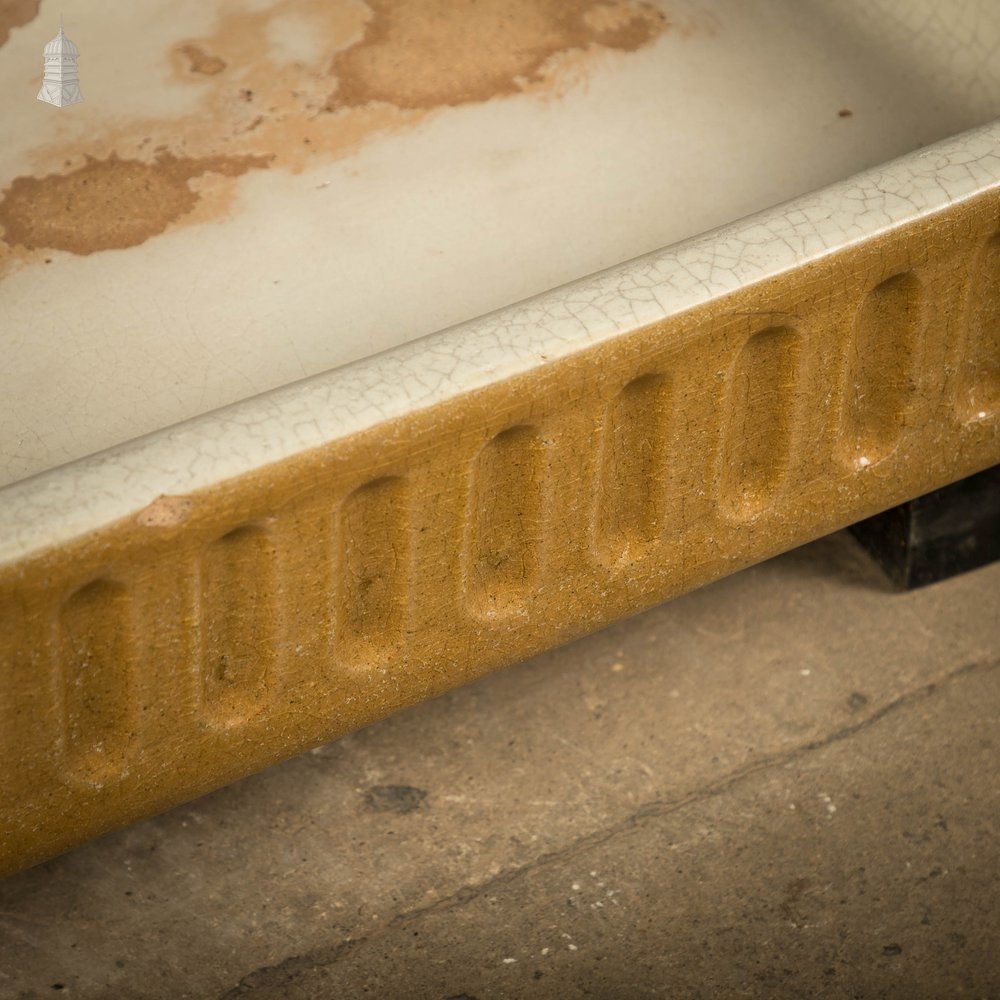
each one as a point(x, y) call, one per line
point(981, 368)
point(633, 469)
point(238, 618)
point(96, 655)
point(373, 543)
point(756, 449)
point(879, 372)
point(504, 522)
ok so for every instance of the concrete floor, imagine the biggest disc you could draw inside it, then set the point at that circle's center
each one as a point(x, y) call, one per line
point(782, 785)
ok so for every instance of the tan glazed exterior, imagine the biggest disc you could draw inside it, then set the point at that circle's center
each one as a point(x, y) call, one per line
point(152, 659)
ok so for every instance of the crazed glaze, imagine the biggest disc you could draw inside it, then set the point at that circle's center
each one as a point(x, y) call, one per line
point(249, 196)
point(59, 505)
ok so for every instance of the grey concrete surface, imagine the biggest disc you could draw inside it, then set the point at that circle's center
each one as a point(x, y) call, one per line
point(782, 785)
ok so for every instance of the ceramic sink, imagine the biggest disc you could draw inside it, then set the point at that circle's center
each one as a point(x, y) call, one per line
point(354, 349)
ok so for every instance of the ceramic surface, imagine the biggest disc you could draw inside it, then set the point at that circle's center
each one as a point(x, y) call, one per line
point(295, 186)
point(211, 633)
point(182, 609)
point(68, 502)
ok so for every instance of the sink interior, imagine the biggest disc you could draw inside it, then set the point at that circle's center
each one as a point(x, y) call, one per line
point(255, 192)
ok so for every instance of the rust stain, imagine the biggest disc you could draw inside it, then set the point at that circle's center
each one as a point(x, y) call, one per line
point(108, 204)
point(16, 14)
point(391, 64)
point(200, 61)
point(437, 53)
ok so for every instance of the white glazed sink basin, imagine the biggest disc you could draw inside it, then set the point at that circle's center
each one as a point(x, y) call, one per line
point(391, 224)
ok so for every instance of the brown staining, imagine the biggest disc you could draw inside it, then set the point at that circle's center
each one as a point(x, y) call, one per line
point(623, 24)
point(396, 61)
point(108, 204)
point(201, 62)
point(845, 113)
point(439, 52)
point(16, 14)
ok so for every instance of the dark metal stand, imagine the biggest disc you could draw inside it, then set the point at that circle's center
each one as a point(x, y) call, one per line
point(938, 535)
